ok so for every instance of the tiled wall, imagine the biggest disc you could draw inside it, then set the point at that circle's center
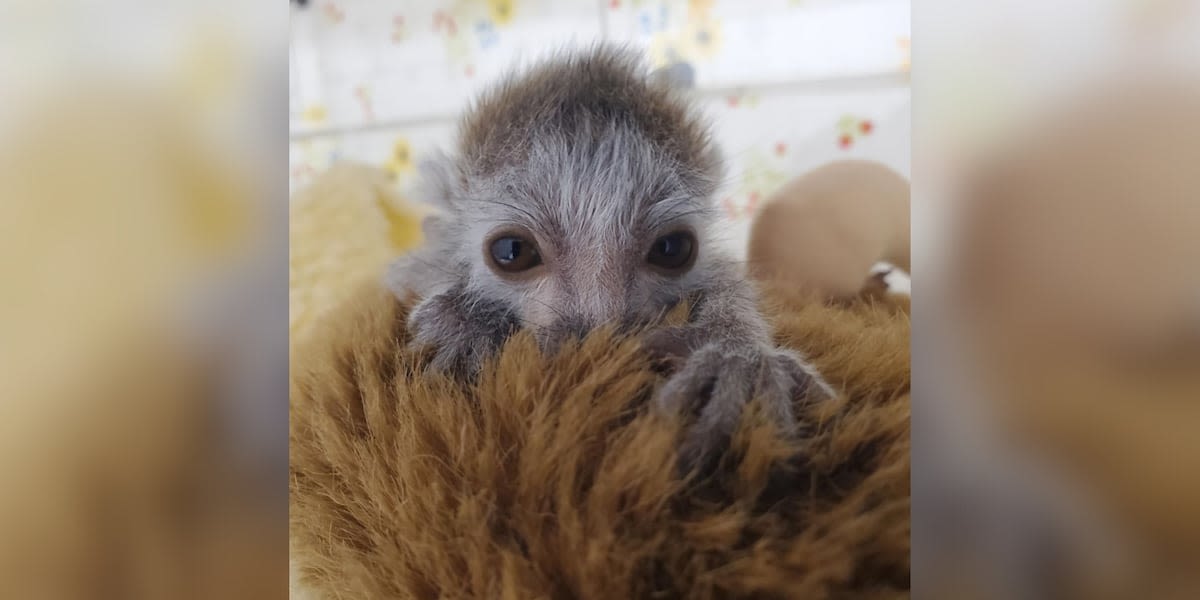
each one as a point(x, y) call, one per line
point(790, 84)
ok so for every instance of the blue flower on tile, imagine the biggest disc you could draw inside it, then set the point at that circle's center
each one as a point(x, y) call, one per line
point(650, 24)
point(644, 19)
point(487, 34)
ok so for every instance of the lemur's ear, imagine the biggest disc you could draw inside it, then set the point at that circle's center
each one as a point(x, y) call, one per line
point(441, 182)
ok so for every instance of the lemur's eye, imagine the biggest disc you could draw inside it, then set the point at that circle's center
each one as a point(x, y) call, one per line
point(513, 253)
point(673, 252)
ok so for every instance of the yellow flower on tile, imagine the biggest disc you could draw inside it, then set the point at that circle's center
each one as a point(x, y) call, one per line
point(401, 160)
point(700, 7)
point(314, 114)
point(703, 37)
point(501, 11)
point(700, 38)
point(666, 49)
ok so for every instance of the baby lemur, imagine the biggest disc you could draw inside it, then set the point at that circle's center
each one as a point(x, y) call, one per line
point(581, 195)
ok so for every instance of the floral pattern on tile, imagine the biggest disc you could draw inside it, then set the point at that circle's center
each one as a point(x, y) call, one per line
point(788, 84)
point(694, 36)
point(400, 164)
point(851, 128)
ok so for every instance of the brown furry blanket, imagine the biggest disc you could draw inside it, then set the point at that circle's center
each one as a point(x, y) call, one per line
point(550, 478)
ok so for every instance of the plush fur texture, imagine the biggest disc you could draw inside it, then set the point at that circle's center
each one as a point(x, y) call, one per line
point(550, 478)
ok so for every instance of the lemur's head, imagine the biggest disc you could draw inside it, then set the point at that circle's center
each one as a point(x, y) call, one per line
point(580, 194)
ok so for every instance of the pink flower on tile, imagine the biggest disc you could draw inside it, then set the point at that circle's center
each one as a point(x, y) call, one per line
point(441, 20)
point(738, 212)
point(850, 128)
point(333, 12)
point(730, 209)
point(363, 94)
point(398, 29)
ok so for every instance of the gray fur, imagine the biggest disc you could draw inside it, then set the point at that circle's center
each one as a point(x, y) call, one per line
point(596, 160)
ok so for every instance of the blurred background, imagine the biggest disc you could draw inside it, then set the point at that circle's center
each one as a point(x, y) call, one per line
point(143, 365)
point(1056, 332)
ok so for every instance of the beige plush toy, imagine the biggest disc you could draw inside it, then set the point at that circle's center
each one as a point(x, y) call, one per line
point(345, 227)
point(824, 231)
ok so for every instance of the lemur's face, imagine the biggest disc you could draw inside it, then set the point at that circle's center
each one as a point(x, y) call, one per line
point(579, 194)
point(587, 233)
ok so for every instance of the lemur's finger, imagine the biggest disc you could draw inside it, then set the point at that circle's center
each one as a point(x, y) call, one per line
point(668, 347)
point(778, 385)
point(687, 390)
point(733, 388)
point(718, 384)
point(806, 383)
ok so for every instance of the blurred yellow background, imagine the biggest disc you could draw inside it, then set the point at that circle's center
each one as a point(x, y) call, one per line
point(143, 403)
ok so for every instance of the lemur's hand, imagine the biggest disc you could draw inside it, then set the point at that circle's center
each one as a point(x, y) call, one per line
point(714, 380)
point(461, 330)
